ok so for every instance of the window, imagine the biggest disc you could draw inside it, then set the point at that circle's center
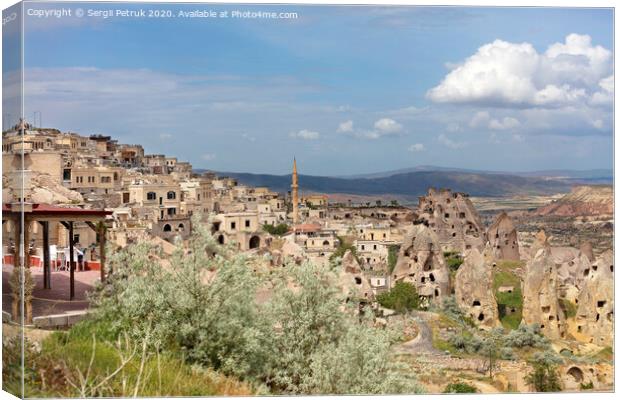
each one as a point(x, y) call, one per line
point(151, 196)
point(247, 223)
point(172, 211)
point(233, 225)
point(171, 195)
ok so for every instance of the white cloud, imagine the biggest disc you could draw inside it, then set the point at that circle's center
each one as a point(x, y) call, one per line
point(388, 125)
point(417, 147)
point(346, 126)
point(504, 124)
point(453, 127)
point(208, 156)
point(382, 127)
point(480, 118)
point(305, 134)
point(516, 75)
point(605, 96)
point(446, 141)
point(249, 138)
point(598, 124)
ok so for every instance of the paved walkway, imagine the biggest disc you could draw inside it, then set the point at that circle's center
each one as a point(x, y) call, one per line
point(56, 299)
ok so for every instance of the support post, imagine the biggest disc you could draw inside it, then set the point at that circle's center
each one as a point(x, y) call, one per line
point(47, 270)
point(102, 240)
point(16, 285)
point(71, 263)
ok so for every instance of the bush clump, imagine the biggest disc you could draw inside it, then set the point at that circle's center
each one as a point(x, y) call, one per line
point(202, 304)
point(526, 336)
point(276, 230)
point(460, 387)
point(401, 298)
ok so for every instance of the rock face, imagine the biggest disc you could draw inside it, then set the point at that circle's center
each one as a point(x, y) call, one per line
point(586, 249)
point(474, 288)
point(540, 295)
point(453, 218)
point(582, 200)
point(353, 283)
point(573, 267)
point(420, 262)
point(595, 312)
point(503, 238)
point(292, 252)
point(44, 190)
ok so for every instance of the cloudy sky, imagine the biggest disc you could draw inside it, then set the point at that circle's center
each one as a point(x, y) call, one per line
point(346, 90)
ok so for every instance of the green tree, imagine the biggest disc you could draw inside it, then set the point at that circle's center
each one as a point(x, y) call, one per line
point(544, 376)
point(401, 298)
point(394, 203)
point(277, 230)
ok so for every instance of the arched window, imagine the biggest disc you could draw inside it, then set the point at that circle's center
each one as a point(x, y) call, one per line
point(167, 228)
point(172, 195)
point(151, 196)
point(181, 227)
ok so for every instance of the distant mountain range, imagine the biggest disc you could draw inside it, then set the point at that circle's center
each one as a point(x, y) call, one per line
point(413, 182)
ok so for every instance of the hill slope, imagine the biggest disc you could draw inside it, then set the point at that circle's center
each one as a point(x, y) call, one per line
point(411, 184)
point(582, 200)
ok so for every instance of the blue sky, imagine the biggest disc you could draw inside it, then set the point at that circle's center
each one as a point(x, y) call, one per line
point(346, 90)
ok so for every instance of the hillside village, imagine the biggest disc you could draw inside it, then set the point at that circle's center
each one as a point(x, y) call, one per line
point(441, 247)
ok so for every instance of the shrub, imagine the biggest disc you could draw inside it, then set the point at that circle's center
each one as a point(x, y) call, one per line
point(401, 298)
point(452, 310)
point(203, 306)
point(526, 336)
point(453, 260)
point(321, 350)
point(343, 246)
point(466, 343)
point(544, 377)
point(506, 353)
point(460, 387)
point(570, 310)
point(277, 230)
point(586, 386)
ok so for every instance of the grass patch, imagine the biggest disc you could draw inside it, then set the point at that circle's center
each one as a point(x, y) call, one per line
point(607, 354)
point(453, 260)
point(65, 360)
point(504, 275)
point(570, 309)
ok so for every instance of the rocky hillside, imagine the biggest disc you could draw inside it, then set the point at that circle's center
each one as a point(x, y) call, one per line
point(581, 201)
point(44, 190)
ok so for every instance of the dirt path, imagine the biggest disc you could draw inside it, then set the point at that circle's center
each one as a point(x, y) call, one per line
point(482, 387)
point(422, 344)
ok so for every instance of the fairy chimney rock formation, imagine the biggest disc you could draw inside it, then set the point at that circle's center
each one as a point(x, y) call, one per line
point(454, 219)
point(420, 262)
point(503, 238)
point(595, 312)
point(474, 289)
point(351, 280)
point(586, 249)
point(540, 295)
